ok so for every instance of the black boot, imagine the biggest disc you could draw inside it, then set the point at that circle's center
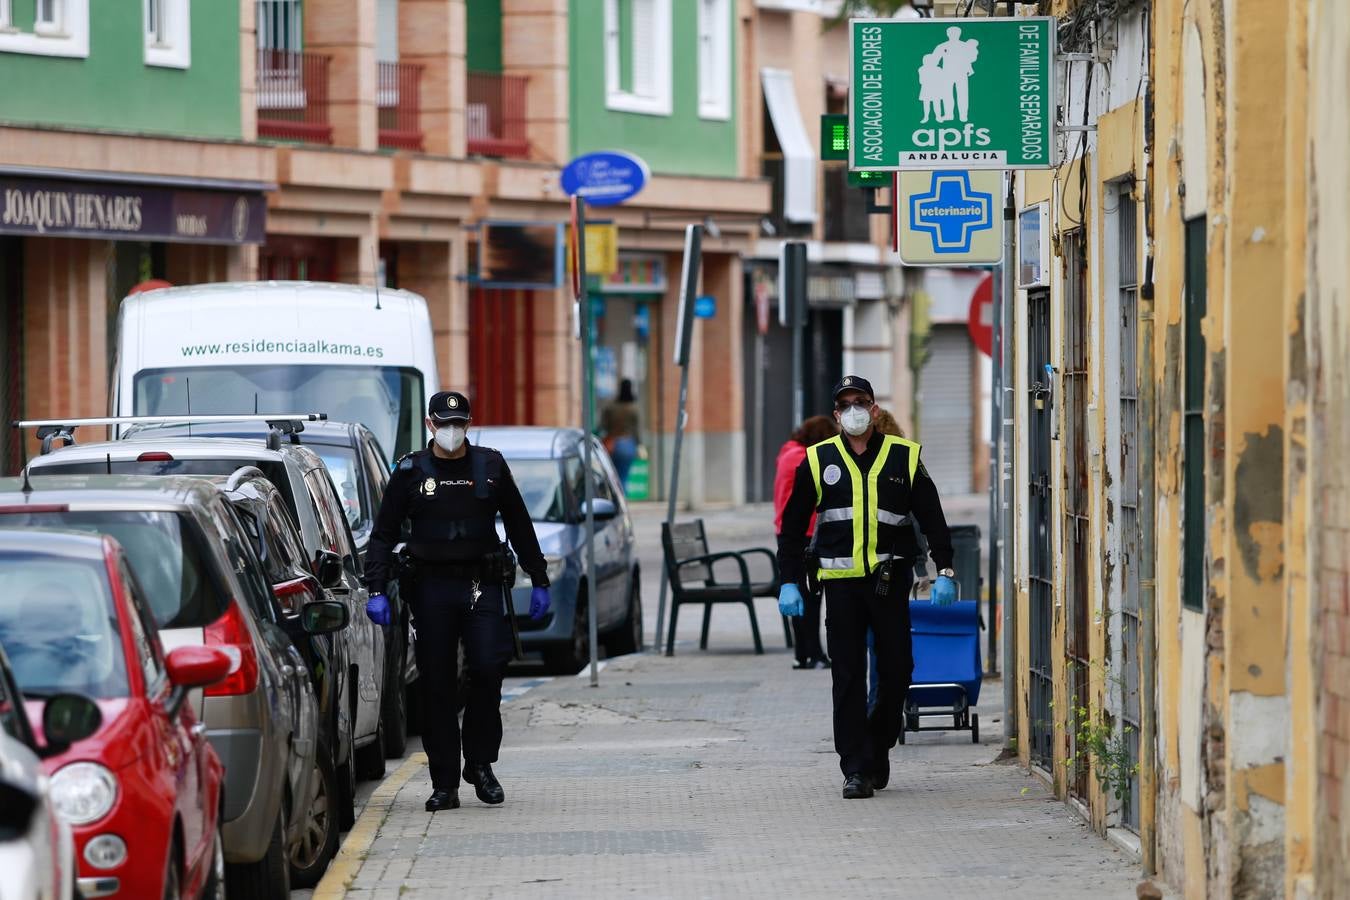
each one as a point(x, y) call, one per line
point(485, 784)
point(857, 787)
point(442, 800)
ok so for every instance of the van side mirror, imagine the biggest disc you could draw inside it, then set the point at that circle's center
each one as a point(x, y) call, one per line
point(67, 718)
point(328, 568)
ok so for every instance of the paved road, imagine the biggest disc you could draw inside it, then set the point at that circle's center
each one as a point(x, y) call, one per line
point(711, 775)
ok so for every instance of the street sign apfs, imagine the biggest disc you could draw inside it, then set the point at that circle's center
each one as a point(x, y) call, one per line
point(952, 93)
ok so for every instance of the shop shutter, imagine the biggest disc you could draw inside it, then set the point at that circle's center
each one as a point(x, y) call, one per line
point(947, 409)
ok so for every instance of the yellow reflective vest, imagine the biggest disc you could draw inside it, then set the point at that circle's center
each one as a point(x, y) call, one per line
point(859, 514)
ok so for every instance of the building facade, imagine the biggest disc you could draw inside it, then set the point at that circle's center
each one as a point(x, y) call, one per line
point(1176, 472)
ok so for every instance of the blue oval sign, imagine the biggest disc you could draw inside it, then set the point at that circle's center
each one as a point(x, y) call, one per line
point(606, 178)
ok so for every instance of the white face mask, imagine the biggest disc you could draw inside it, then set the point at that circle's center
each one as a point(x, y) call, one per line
point(449, 438)
point(855, 420)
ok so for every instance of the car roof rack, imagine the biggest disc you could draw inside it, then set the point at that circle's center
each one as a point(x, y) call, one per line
point(279, 424)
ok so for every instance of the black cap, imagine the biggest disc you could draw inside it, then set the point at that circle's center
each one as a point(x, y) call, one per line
point(448, 406)
point(854, 383)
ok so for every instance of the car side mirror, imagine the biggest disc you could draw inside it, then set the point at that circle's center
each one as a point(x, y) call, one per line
point(67, 718)
point(324, 617)
point(195, 667)
point(328, 568)
point(602, 509)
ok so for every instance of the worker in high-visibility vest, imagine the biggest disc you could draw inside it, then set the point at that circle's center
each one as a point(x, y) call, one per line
point(863, 487)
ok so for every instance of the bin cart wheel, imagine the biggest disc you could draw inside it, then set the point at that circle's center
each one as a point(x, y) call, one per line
point(974, 728)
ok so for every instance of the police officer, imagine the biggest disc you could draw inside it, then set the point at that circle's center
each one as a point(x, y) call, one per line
point(451, 494)
point(864, 486)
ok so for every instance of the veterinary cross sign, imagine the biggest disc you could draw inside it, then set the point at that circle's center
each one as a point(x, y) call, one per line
point(951, 212)
point(950, 218)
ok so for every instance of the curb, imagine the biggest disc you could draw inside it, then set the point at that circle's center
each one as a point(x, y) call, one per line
point(344, 867)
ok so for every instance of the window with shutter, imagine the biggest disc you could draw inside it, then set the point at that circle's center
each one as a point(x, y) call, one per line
point(638, 35)
point(714, 59)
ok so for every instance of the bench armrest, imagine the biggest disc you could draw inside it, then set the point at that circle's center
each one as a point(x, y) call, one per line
point(773, 560)
point(712, 558)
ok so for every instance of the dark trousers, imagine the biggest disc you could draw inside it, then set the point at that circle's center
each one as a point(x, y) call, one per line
point(806, 627)
point(851, 607)
point(444, 613)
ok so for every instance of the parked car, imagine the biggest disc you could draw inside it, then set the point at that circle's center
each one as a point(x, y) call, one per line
point(299, 474)
point(203, 585)
point(37, 853)
point(276, 543)
point(548, 467)
point(142, 791)
point(357, 466)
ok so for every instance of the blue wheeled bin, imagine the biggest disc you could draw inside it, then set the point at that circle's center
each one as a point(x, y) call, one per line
point(947, 667)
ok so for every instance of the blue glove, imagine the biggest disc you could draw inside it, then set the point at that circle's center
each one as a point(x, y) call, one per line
point(944, 591)
point(790, 600)
point(377, 609)
point(539, 603)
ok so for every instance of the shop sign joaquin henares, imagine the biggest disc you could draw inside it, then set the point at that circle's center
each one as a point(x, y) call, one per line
point(952, 93)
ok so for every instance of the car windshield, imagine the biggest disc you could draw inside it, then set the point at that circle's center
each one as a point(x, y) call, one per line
point(59, 627)
point(342, 469)
point(168, 562)
point(387, 400)
point(540, 483)
point(273, 469)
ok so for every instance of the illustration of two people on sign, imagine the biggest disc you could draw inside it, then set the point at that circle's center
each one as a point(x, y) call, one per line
point(945, 75)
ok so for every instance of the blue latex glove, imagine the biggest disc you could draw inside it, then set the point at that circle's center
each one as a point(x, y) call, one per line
point(539, 603)
point(790, 600)
point(944, 591)
point(377, 609)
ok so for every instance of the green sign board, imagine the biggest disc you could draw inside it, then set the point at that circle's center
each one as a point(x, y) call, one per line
point(952, 93)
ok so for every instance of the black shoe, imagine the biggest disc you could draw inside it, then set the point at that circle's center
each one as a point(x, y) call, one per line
point(881, 771)
point(442, 800)
point(857, 787)
point(822, 662)
point(485, 784)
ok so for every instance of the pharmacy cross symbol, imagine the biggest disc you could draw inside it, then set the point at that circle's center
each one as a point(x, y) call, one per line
point(950, 213)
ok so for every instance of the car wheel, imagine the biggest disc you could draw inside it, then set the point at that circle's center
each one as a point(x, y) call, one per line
point(370, 758)
point(215, 881)
point(394, 700)
point(627, 638)
point(576, 653)
point(267, 879)
point(173, 888)
point(319, 831)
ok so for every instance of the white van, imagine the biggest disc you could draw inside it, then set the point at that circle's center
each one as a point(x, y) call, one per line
point(279, 346)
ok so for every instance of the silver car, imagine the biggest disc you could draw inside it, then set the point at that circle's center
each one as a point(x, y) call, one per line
point(187, 548)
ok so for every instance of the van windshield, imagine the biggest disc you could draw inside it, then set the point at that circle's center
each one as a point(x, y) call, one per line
point(386, 399)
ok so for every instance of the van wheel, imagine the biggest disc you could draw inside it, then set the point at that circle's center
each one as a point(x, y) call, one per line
point(267, 879)
point(319, 834)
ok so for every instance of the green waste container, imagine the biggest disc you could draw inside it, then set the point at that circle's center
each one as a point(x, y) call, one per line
point(638, 486)
point(966, 559)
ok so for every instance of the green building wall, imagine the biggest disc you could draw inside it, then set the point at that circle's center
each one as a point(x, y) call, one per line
point(678, 144)
point(114, 89)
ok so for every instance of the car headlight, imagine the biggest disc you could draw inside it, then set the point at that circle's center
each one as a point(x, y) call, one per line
point(83, 792)
point(556, 565)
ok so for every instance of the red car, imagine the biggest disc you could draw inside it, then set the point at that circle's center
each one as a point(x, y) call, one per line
point(143, 792)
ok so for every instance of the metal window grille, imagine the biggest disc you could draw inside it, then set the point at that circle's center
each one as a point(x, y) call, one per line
point(1041, 556)
point(1076, 532)
point(280, 25)
point(495, 110)
point(1193, 468)
point(1127, 221)
point(399, 102)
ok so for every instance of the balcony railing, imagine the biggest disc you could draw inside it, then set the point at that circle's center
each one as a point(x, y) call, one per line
point(293, 96)
point(400, 103)
point(495, 111)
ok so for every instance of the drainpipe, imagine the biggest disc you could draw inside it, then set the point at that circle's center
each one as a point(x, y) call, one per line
point(1148, 592)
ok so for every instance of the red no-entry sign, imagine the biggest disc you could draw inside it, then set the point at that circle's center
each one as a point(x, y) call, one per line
point(980, 321)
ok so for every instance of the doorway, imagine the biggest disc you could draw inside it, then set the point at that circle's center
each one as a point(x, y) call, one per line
point(1076, 530)
point(1040, 558)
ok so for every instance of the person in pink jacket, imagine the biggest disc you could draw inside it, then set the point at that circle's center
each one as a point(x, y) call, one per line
point(805, 628)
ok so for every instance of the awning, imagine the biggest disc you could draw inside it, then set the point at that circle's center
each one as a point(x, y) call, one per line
point(799, 159)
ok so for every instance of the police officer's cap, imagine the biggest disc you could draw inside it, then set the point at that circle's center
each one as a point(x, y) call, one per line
point(854, 383)
point(448, 406)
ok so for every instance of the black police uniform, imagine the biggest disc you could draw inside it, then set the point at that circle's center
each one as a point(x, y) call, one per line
point(457, 589)
point(853, 605)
